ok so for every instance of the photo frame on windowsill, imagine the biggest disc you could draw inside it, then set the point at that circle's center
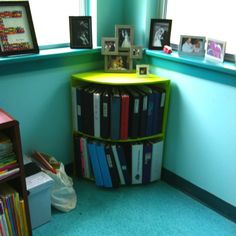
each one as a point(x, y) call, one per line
point(160, 31)
point(17, 34)
point(80, 32)
point(215, 50)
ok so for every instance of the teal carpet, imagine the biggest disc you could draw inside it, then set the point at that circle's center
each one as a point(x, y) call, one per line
point(155, 209)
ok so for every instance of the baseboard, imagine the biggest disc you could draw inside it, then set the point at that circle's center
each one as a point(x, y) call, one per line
point(208, 199)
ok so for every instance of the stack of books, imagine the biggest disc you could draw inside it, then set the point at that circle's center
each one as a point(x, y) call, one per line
point(12, 212)
point(118, 112)
point(115, 164)
point(8, 161)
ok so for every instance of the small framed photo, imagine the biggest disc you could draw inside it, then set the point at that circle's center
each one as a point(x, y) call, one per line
point(192, 45)
point(136, 52)
point(160, 31)
point(125, 35)
point(118, 63)
point(80, 32)
point(215, 50)
point(109, 46)
point(17, 34)
point(142, 70)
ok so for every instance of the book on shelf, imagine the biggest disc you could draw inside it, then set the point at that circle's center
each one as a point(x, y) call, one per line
point(95, 164)
point(137, 163)
point(115, 114)
point(147, 158)
point(105, 113)
point(124, 118)
point(101, 156)
point(3, 220)
point(96, 113)
point(112, 166)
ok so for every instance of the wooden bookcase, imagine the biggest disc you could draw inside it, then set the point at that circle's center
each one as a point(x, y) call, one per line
point(10, 127)
point(128, 80)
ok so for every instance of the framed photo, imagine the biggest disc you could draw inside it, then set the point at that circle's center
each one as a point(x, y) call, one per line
point(215, 50)
point(17, 34)
point(118, 63)
point(160, 31)
point(142, 70)
point(192, 45)
point(136, 52)
point(125, 35)
point(109, 46)
point(80, 32)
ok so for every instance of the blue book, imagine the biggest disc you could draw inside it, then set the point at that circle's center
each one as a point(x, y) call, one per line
point(115, 114)
point(107, 182)
point(147, 160)
point(95, 164)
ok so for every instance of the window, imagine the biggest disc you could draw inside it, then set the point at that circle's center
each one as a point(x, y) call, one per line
point(209, 18)
point(51, 19)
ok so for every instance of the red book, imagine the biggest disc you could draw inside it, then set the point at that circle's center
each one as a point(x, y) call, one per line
point(124, 115)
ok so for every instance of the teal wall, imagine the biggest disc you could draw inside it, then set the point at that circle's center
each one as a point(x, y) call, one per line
point(37, 93)
point(201, 132)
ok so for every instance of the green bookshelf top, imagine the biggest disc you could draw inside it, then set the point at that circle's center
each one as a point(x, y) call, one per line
point(116, 78)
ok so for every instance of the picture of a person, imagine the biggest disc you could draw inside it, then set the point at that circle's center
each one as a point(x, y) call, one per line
point(158, 37)
point(187, 46)
point(126, 39)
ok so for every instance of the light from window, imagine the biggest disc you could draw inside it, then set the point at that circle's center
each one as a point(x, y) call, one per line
point(209, 18)
point(51, 20)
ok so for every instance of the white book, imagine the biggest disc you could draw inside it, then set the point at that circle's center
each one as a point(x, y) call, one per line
point(137, 163)
point(156, 164)
point(118, 166)
point(87, 166)
point(96, 115)
point(74, 108)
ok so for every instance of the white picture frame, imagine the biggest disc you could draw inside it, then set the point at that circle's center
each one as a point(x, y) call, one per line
point(215, 50)
point(142, 70)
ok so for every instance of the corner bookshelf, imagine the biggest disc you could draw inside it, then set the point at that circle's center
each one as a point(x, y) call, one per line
point(9, 127)
point(113, 80)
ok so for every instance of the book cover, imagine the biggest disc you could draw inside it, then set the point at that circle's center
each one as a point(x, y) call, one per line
point(156, 163)
point(86, 160)
point(134, 113)
point(96, 113)
point(115, 114)
point(137, 163)
point(147, 158)
point(105, 114)
point(124, 123)
point(95, 163)
point(124, 164)
point(100, 148)
point(118, 164)
point(112, 166)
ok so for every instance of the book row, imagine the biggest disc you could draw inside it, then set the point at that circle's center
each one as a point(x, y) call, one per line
point(8, 162)
point(12, 212)
point(111, 165)
point(118, 112)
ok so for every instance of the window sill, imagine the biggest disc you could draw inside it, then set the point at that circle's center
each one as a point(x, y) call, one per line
point(47, 54)
point(226, 67)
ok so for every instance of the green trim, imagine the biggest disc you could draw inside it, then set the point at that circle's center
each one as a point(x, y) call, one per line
point(226, 67)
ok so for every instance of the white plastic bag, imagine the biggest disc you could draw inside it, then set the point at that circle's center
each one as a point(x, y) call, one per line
point(63, 195)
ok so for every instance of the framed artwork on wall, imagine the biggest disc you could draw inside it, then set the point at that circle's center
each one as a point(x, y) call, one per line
point(125, 35)
point(215, 50)
point(80, 32)
point(160, 30)
point(17, 34)
point(192, 45)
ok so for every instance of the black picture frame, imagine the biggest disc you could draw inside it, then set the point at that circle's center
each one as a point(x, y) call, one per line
point(17, 34)
point(80, 32)
point(160, 31)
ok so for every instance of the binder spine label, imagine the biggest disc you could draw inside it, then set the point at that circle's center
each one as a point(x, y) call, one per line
point(78, 110)
point(163, 96)
point(136, 105)
point(105, 109)
point(145, 103)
